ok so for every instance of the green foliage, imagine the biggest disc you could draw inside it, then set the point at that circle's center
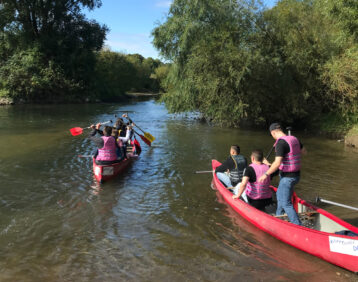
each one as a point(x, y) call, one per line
point(341, 75)
point(160, 74)
point(113, 74)
point(235, 61)
point(27, 75)
point(144, 68)
point(208, 42)
point(117, 73)
point(48, 47)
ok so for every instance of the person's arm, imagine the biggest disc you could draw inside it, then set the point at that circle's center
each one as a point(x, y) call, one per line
point(274, 166)
point(226, 165)
point(98, 141)
point(129, 119)
point(95, 129)
point(126, 138)
point(242, 188)
point(282, 148)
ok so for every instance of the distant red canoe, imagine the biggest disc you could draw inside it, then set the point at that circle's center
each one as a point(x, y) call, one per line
point(318, 238)
point(104, 173)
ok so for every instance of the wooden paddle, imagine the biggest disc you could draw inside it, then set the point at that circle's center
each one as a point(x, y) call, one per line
point(145, 140)
point(147, 135)
point(137, 146)
point(318, 199)
point(78, 130)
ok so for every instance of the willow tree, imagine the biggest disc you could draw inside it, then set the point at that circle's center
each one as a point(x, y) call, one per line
point(234, 61)
point(208, 43)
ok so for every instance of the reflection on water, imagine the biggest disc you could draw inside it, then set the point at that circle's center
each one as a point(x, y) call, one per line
point(160, 221)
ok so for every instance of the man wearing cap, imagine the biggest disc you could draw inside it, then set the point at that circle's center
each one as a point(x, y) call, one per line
point(288, 160)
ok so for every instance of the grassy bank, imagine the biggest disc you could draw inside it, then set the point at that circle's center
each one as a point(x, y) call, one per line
point(334, 126)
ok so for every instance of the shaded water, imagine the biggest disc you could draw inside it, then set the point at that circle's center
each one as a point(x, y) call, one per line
point(160, 221)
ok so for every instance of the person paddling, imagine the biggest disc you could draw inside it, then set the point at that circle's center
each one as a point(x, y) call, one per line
point(231, 170)
point(106, 144)
point(121, 125)
point(258, 194)
point(288, 160)
point(122, 142)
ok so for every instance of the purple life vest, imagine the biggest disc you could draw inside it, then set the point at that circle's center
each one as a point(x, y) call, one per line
point(256, 190)
point(108, 151)
point(291, 162)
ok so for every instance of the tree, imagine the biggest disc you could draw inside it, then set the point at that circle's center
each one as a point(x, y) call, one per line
point(234, 61)
point(58, 32)
point(114, 75)
point(208, 43)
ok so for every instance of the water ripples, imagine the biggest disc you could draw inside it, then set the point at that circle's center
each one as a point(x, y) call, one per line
point(157, 222)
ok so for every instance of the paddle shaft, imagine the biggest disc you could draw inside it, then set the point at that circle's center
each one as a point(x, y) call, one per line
point(85, 156)
point(109, 121)
point(269, 154)
point(204, 171)
point(335, 204)
point(138, 133)
point(138, 126)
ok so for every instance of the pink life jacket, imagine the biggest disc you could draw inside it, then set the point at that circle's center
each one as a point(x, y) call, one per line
point(291, 162)
point(108, 151)
point(256, 190)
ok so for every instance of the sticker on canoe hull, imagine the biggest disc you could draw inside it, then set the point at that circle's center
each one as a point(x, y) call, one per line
point(107, 170)
point(343, 246)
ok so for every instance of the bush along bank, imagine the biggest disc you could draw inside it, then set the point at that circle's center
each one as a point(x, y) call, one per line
point(295, 62)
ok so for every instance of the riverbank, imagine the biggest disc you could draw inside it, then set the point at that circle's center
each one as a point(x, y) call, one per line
point(142, 94)
point(121, 98)
point(6, 101)
point(329, 127)
point(351, 138)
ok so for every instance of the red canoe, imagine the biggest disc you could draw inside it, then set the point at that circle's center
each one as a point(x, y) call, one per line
point(318, 238)
point(104, 173)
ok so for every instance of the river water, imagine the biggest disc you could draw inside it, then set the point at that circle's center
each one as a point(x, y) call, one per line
point(160, 221)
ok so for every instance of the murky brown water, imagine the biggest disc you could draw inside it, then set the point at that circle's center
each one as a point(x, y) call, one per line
point(160, 221)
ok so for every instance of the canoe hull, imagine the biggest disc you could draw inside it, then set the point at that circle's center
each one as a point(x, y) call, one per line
point(337, 249)
point(103, 173)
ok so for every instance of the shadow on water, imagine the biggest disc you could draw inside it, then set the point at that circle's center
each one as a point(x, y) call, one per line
point(159, 221)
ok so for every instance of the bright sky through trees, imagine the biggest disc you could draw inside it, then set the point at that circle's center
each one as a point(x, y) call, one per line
point(132, 21)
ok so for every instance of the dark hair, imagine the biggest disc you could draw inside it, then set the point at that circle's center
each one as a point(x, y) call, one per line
point(114, 132)
point(119, 123)
point(258, 155)
point(275, 126)
point(107, 130)
point(236, 148)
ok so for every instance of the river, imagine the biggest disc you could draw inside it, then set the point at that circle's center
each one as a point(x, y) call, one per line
point(160, 221)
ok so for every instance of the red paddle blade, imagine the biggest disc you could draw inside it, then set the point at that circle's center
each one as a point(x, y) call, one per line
point(76, 131)
point(137, 146)
point(146, 141)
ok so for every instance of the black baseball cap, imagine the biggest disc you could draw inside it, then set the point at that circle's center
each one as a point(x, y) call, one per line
point(274, 126)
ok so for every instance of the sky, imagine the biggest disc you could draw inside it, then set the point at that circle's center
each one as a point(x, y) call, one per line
point(131, 22)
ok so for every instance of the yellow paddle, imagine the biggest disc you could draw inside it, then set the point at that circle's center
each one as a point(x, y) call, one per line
point(147, 135)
